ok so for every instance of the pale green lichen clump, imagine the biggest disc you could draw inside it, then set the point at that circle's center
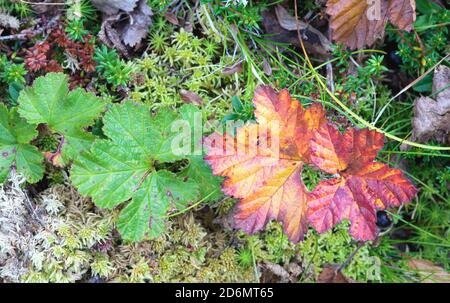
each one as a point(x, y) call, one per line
point(71, 240)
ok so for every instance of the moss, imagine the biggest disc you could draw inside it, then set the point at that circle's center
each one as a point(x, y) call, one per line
point(334, 247)
point(179, 60)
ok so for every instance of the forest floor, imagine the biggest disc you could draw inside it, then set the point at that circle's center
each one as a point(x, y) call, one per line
point(89, 91)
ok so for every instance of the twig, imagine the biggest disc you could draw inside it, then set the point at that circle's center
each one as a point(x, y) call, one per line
point(349, 259)
point(24, 36)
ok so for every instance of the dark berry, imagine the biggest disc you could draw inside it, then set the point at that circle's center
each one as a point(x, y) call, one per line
point(383, 220)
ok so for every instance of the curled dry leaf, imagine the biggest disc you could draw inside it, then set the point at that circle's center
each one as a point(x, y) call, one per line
point(172, 18)
point(54, 158)
point(137, 27)
point(358, 23)
point(362, 186)
point(126, 27)
point(275, 273)
point(111, 7)
point(432, 117)
point(282, 27)
point(268, 179)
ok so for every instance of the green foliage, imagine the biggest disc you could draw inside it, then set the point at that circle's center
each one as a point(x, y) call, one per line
point(81, 9)
point(241, 111)
point(421, 52)
point(183, 61)
point(111, 67)
point(334, 247)
point(75, 29)
point(19, 8)
point(13, 73)
point(15, 148)
point(130, 164)
point(246, 14)
point(49, 102)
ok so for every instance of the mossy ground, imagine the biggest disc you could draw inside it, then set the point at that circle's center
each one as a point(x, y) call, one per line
point(225, 57)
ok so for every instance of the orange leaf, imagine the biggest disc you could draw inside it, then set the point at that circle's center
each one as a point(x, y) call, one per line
point(267, 178)
point(358, 23)
point(362, 187)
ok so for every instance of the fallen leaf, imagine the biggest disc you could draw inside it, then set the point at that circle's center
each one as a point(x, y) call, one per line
point(236, 68)
point(126, 27)
point(172, 18)
point(266, 67)
point(358, 23)
point(362, 185)
point(111, 7)
point(137, 27)
point(268, 180)
point(429, 272)
point(282, 28)
point(432, 117)
point(190, 97)
point(277, 270)
point(109, 35)
point(330, 274)
point(288, 21)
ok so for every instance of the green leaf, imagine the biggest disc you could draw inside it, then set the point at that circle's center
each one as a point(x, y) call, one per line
point(198, 170)
point(15, 150)
point(201, 173)
point(109, 173)
point(122, 167)
point(133, 125)
point(159, 192)
point(49, 102)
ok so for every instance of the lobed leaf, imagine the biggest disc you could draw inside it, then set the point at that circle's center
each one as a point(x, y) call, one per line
point(49, 102)
point(358, 23)
point(267, 180)
point(121, 168)
point(362, 187)
point(15, 150)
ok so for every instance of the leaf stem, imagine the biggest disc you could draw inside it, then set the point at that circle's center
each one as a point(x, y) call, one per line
point(192, 206)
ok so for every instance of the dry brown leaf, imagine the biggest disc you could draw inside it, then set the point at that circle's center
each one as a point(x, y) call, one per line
point(277, 23)
point(54, 158)
point(287, 21)
point(126, 28)
point(236, 68)
point(358, 23)
point(111, 7)
point(432, 117)
point(429, 272)
point(172, 18)
point(139, 23)
point(331, 274)
point(190, 97)
point(266, 67)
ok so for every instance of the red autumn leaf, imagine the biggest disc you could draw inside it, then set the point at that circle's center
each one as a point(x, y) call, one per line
point(358, 23)
point(266, 178)
point(362, 187)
